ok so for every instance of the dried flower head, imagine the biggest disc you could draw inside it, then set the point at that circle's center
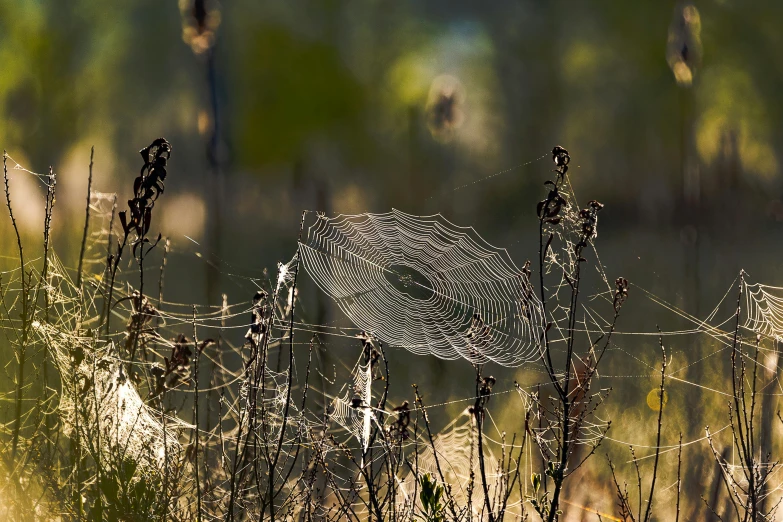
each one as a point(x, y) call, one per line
point(621, 293)
point(683, 48)
point(200, 21)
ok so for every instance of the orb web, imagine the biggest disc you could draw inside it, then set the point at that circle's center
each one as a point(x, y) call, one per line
point(764, 309)
point(426, 285)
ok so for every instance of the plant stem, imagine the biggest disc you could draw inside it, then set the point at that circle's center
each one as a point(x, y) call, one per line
point(86, 225)
point(195, 414)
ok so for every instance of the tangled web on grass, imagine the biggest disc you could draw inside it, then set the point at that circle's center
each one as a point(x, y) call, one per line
point(427, 285)
point(352, 408)
point(97, 394)
point(454, 453)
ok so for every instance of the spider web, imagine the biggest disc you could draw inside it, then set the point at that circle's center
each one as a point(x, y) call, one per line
point(96, 391)
point(464, 298)
point(420, 283)
point(764, 310)
point(352, 409)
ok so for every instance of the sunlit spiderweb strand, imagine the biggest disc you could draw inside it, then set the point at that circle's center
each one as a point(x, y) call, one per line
point(426, 285)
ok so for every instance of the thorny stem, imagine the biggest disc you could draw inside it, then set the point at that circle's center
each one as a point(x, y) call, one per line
point(565, 448)
point(25, 316)
point(509, 486)
point(114, 263)
point(97, 457)
point(13, 222)
point(547, 353)
point(86, 225)
point(235, 462)
point(29, 306)
point(658, 432)
point(758, 478)
point(161, 404)
point(107, 274)
point(50, 187)
point(273, 465)
point(299, 432)
point(260, 369)
point(195, 415)
point(638, 482)
point(740, 408)
point(679, 478)
point(163, 262)
point(75, 442)
point(478, 412)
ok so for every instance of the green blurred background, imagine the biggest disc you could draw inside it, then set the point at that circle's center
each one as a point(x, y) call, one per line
point(362, 106)
point(670, 112)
